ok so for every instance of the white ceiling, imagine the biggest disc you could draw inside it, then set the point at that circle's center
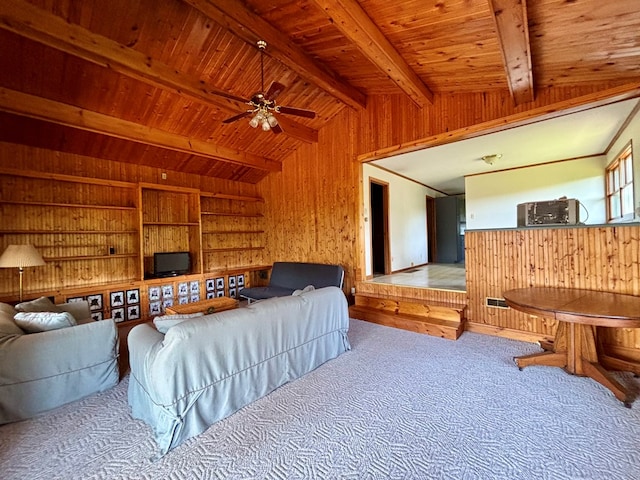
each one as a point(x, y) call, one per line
point(575, 135)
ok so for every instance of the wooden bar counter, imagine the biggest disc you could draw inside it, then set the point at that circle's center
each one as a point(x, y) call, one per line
point(576, 347)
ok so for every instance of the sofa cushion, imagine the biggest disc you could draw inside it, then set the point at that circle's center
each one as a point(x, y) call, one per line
point(42, 304)
point(165, 322)
point(7, 323)
point(262, 293)
point(79, 310)
point(34, 322)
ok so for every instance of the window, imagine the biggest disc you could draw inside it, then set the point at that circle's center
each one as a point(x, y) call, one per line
point(619, 179)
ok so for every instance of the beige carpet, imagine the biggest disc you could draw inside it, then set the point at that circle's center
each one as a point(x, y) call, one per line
point(399, 405)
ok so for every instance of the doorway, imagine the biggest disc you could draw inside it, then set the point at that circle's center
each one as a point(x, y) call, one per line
point(432, 244)
point(379, 196)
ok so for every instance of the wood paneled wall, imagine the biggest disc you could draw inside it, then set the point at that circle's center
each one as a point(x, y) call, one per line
point(51, 161)
point(605, 258)
point(394, 119)
point(311, 206)
point(76, 239)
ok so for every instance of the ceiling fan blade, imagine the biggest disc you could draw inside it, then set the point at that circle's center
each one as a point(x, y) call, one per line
point(238, 117)
point(277, 129)
point(274, 90)
point(297, 111)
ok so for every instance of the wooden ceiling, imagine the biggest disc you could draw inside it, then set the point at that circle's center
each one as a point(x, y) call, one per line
point(150, 81)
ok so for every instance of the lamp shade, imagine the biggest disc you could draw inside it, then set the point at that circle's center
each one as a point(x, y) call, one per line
point(18, 256)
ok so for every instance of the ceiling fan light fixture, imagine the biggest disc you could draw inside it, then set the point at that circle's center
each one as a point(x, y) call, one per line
point(491, 159)
point(255, 121)
point(263, 103)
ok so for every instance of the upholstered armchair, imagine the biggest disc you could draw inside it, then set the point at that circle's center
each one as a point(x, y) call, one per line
point(67, 357)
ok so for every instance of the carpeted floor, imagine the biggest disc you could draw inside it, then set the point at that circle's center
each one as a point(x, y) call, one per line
point(399, 405)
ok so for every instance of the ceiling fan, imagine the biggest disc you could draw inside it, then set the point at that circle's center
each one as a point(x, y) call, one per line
point(263, 104)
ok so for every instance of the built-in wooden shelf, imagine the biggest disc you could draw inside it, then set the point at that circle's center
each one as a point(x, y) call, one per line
point(90, 257)
point(225, 232)
point(237, 269)
point(67, 205)
point(233, 214)
point(171, 224)
point(234, 249)
point(227, 196)
point(67, 232)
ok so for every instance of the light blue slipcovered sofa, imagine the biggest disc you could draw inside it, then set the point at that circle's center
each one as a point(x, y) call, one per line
point(42, 371)
point(204, 369)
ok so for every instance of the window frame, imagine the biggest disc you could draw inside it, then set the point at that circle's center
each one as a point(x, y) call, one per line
point(618, 180)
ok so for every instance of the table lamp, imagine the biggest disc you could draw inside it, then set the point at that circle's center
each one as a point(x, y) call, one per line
point(20, 256)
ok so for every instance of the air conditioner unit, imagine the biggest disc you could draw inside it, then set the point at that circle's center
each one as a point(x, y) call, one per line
point(565, 211)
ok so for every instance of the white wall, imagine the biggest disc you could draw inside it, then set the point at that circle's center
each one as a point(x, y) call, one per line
point(632, 132)
point(407, 219)
point(492, 199)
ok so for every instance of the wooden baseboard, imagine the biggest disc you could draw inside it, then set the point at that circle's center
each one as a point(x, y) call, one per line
point(506, 333)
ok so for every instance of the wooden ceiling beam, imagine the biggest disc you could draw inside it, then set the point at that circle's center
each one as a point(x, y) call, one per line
point(27, 20)
point(26, 105)
point(513, 36)
point(242, 22)
point(354, 23)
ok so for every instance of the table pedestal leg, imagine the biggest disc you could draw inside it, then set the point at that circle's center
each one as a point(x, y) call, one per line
point(575, 350)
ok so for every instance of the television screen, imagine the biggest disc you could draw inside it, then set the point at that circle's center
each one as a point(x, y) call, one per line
point(167, 264)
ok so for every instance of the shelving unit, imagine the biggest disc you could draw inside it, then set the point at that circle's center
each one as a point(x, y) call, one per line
point(170, 222)
point(84, 228)
point(98, 238)
point(232, 232)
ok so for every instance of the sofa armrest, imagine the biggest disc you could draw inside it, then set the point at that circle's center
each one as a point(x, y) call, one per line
point(55, 352)
point(143, 341)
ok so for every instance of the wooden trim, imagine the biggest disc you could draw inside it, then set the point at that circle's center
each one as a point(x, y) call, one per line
point(506, 332)
point(354, 23)
point(385, 223)
point(39, 108)
point(513, 36)
point(406, 178)
point(622, 128)
point(559, 109)
point(535, 165)
point(432, 241)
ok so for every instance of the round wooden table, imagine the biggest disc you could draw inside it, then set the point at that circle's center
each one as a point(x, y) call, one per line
point(576, 347)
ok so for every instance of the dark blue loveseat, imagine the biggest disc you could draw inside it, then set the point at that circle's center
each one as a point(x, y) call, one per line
point(287, 277)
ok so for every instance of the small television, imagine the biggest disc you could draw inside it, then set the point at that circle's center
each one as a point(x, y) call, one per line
point(170, 264)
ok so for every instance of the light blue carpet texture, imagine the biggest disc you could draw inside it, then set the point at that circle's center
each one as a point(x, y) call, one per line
point(400, 405)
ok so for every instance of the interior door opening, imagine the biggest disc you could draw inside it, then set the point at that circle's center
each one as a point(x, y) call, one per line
point(380, 260)
point(431, 230)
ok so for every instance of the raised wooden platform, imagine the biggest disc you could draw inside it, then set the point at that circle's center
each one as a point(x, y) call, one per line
point(422, 315)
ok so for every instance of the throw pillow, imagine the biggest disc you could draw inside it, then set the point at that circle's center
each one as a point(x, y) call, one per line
point(7, 323)
point(165, 322)
point(34, 322)
point(308, 288)
point(42, 304)
point(79, 310)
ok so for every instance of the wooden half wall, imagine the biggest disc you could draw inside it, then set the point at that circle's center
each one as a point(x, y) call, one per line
point(605, 258)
